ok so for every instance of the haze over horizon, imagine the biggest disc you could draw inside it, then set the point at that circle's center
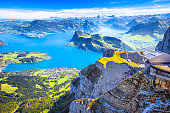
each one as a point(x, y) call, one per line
point(38, 9)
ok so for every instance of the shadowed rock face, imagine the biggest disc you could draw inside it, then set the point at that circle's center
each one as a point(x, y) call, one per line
point(96, 79)
point(134, 95)
point(116, 87)
point(134, 57)
point(108, 53)
point(164, 45)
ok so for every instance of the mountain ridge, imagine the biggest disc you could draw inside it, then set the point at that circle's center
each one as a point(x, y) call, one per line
point(96, 42)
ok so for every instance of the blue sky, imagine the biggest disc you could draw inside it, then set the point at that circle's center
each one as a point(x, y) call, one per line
point(70, 8)
point(72, 4)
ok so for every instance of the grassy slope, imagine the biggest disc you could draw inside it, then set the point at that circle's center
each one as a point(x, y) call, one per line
point(34, 90)
point(140, 42)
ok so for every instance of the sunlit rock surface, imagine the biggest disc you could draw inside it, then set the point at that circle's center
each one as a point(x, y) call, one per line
point(115, 83)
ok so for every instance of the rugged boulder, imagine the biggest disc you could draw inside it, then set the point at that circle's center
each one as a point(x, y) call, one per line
point(104, 75)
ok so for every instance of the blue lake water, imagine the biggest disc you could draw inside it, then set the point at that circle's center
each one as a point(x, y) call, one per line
point(53, 45)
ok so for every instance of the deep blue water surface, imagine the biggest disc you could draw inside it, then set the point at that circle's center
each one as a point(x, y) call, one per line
point(53, 45)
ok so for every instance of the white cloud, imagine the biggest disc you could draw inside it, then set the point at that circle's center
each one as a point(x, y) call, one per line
point(161, 1)
point(38, 14)
point(114, 2)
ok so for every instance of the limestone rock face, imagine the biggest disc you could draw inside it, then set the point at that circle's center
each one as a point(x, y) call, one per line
point(97, 79)
point(164, 45)
point(134, 57)
point(115, 85)
point(108, 53)
point(132, 95)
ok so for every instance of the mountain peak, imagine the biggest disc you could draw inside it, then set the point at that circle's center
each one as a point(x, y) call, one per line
point(164, 45)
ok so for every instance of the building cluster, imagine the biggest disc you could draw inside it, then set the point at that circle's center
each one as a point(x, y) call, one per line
point(157, 67)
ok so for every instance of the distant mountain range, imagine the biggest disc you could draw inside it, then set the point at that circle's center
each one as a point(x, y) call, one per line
point(40, 28)
point(97, 42)
point(134, 22)
point(127, 22)
point(157, 27)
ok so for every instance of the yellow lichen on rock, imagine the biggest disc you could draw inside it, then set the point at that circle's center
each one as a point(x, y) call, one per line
point(117, 59)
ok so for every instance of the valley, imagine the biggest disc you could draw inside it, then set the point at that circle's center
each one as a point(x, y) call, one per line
point(84, 65)
point(34, 90)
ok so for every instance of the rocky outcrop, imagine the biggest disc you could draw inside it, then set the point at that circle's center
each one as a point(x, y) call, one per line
point(134, 56)
point(134, 94)
point(96, 42)
point(104, 75)
point(115, 83)
point(164, 45)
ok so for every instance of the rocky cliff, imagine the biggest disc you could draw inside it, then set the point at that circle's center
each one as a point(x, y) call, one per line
point(97, 42)
point(105, 74)
point(115, 83)
point(164, 45)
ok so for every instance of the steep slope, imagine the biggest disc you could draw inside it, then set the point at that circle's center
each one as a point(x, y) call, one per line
point(96, 42)
point(105, 74)
point(146, 36)
point(158, 27)
point(116, 84)
point(132, 95)
point(164, 45)
point(34, 90)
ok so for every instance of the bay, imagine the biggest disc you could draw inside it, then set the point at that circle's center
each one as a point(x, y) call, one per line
point(54, 46)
